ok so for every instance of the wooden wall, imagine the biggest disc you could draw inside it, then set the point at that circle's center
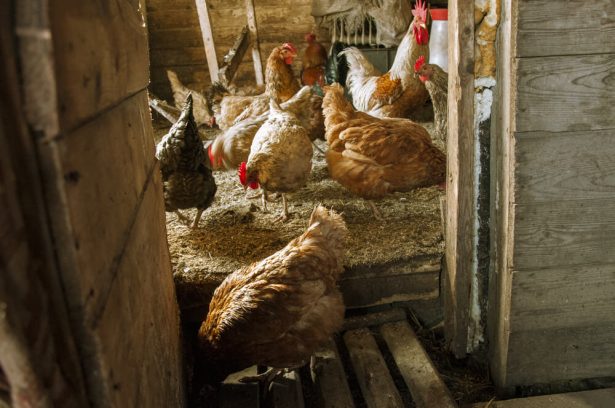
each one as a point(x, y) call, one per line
point(553, 294)
point(176, 42)
point(85, 73)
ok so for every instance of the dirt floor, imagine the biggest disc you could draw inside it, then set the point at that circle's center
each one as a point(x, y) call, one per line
point(235, 231)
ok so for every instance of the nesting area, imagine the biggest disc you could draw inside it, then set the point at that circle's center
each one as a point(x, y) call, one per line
point(235, 231)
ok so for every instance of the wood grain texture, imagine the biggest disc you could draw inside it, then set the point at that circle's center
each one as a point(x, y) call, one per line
point(550, 355)
point(564, 233)
point(603, 398)
point(105, 166)
point(97, 46)
point(566, 93)
point(427, 388)
point(563, 297)
point(329, 378)
point(376, 384)
point(208, 39)
point(563, 27)
point(460, 198)
point(565, 166)
point(139, 326)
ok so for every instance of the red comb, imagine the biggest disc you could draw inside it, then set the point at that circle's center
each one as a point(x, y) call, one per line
point(212, 159)
point(289, 46)
point(420, 10)
point(419, 63)
point(242, 172)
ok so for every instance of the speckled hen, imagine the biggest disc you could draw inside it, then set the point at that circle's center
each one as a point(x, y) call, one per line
point(187, 179)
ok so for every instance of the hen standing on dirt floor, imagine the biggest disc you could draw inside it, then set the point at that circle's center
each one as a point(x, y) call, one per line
point(397, 93)
point(436, 82)
point(187, 179)
point(278, 311)
point(374, 157)
point(280, 157)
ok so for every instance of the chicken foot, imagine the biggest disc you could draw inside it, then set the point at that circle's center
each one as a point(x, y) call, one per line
point(284, 217)
point(376, 211)
point(181, 216)
point(265, 378)
point(199, 212)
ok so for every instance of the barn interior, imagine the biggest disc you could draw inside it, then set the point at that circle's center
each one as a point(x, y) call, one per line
point(493, 291)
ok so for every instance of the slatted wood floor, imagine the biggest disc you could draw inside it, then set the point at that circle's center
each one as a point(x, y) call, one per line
point(376, 361)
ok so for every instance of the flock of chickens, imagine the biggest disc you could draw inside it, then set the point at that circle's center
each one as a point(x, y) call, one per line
point(373, 151)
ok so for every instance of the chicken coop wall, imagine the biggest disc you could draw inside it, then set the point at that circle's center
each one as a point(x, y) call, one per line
point(176, 42)
point(551, 312)
point(84, 77)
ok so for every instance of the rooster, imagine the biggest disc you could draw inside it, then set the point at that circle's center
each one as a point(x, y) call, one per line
point(436, 82)
point(232, 147)
point(280, 158)
point(314, 61)
point(280, 85)
point(397, 93)
point(374, 157)
point(187, 179)
point(278, 311)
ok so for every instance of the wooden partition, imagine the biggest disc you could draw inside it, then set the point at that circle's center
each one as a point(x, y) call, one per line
point(552, 308)
point(84, 73)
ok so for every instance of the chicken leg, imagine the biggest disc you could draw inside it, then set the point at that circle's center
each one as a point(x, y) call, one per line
point(284, 217)
point(199, 212)
point(376, 211)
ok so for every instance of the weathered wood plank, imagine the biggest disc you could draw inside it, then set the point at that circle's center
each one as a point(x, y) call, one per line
point(460, 212)
point(286, 391)
point(233, 393)
point(564, 233)
point(564, 27)
point(208, 39)
point(256, 50)
point(95, 161)
point(568, 165)
point(372, 373)
point(563, 297)
point(374, 319)
point(568, 93)
point(501, 197)
point(551, 355)
point(98, 45)
point(372, 291)
point(233, 58)
point(141, 348)
point(427, 388)
point(329, 378)
point(604, 398)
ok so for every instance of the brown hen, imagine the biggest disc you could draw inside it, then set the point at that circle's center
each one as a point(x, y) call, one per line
point(374, 157)
point(278, 311)
point(280, 85)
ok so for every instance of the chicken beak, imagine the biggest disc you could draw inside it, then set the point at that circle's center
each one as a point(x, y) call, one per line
point(423, 25)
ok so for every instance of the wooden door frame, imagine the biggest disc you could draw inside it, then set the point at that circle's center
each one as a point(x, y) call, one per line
point(461, 197)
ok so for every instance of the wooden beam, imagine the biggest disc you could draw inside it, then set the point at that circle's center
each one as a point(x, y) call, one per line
point(208, 39)
point(460, 196)
point(256, 49)
point(234, 56)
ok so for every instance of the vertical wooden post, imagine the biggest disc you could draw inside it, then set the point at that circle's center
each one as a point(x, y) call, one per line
point(208, 39)
point(256, 49)
point(460, 215)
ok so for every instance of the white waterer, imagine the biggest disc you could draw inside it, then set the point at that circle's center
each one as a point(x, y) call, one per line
point(438, 38)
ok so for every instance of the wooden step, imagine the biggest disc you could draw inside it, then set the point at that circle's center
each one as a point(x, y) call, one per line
point(604, 398)
point(329, 378)
point(377, 386)
point(427, 388)
point(286, 391)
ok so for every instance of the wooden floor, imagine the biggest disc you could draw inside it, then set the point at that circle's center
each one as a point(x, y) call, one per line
point(604, 398)
point(376, 361)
